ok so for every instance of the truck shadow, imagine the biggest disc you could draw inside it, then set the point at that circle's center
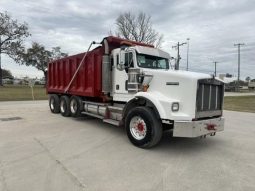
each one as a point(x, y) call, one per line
point(167, 144)
point(188, 145)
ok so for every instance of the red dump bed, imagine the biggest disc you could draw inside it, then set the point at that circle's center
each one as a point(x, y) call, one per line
point(88, 80)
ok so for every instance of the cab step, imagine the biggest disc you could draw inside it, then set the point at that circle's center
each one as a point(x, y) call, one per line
point(111, 121)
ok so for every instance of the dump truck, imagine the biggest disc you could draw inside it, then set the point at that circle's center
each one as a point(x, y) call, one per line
point(132, 85)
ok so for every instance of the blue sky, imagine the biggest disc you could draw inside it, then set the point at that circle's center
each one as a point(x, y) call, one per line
point(213, 27)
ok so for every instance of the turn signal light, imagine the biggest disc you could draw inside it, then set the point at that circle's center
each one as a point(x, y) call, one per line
point(145, 88)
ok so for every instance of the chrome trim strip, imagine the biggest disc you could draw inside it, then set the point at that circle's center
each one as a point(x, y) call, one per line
point(210, 97)
point(202, 105)
point(216, 101)
point(201, 114)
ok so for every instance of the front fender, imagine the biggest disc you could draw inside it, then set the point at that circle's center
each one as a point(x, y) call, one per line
point(162, 103)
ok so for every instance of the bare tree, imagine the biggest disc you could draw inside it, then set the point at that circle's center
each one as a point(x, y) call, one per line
point(137, 28)
point(12, 35)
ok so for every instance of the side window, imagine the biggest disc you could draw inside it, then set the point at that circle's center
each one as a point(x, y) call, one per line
point(129, 60)
point(126, 59)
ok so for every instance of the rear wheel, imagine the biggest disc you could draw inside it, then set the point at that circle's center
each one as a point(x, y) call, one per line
point(75, 106)
point(65, 106)
point(142, 127)
point(54, 103)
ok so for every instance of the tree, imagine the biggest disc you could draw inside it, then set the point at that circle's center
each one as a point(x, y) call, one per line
point(137, 28)
point(229, 75)
point(7, 74)
point(38, 57)
point(12, 35)
point(247, 78)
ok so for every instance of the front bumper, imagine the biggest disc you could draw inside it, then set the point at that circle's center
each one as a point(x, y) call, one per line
point(198, 128)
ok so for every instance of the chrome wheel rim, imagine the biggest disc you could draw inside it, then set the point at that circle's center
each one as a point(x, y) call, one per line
point(138, 128)
point(52, 102)
point(62, 106)
point(73, 106)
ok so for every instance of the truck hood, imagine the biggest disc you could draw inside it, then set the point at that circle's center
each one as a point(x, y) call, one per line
point(176, 74)
point(175, 86)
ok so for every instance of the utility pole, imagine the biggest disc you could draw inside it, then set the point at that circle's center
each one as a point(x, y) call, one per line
point(239, 59)
point(1, 80)
point(187, 54)
point(215, 71)
point(178, 54)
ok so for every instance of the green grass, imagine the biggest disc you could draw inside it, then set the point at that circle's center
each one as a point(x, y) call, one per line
point(240, 103)
point(21, 92)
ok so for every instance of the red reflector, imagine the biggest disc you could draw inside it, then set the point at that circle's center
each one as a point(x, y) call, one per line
point(211, 126)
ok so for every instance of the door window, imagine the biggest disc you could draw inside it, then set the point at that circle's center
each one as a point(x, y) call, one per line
point(129, 62)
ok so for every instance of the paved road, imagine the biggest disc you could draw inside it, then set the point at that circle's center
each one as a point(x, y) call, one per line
point(44, 151)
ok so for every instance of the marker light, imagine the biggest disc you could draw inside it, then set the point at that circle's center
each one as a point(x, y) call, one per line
point(175, 106)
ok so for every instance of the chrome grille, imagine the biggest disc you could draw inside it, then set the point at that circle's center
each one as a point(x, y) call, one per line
point(210, 94)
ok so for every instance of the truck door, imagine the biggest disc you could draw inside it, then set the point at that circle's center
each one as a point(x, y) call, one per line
point(120, 76)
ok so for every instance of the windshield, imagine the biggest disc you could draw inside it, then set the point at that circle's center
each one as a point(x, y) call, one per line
point(148, 61)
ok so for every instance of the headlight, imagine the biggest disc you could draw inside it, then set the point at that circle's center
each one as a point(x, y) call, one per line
point(175, 106)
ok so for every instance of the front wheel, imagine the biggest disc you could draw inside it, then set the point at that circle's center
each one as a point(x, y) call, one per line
point(143, 128)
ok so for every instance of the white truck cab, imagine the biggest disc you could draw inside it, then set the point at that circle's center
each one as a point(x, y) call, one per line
point(190, 102)
point(139, 57)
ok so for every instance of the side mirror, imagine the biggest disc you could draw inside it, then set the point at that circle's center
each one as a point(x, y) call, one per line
point(121, 65)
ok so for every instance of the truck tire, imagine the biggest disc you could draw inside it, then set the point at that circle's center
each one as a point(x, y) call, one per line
point(65, 106)
point(75, 106)
point(54, 103)
point(143, 128)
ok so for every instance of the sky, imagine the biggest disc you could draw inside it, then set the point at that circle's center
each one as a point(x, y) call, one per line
point(213, 27)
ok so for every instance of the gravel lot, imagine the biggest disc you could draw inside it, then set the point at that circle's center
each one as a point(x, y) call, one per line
point(44, 151)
